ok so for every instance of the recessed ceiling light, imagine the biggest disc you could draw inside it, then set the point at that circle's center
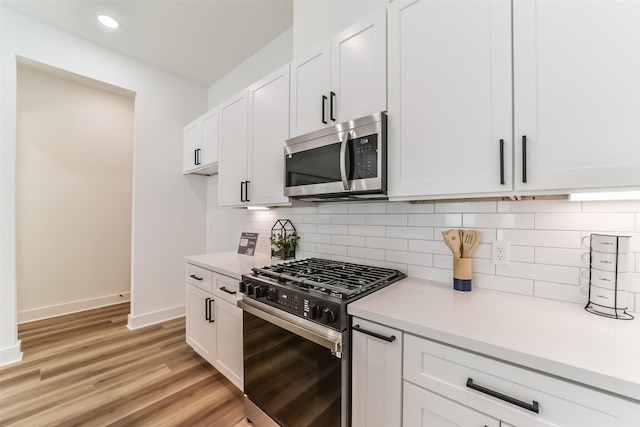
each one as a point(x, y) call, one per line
point(108, 21)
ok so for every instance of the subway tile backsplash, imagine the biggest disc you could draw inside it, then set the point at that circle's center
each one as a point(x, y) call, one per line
point(546, 248)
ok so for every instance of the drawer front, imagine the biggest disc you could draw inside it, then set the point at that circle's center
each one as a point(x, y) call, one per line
point(200, 277)
point(505, 391)
point(425, 409)
point(226, 288)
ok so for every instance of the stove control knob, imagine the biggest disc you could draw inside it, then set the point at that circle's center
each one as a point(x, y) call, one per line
point(250, 289)
point(242, 287)
point(315, 310)
point(260, 291)
point(329, 315)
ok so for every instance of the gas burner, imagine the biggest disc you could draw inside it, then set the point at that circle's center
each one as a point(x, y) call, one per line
point(338, 279)
point(315, 289)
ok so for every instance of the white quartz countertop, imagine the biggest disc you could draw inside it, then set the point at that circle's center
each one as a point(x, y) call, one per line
point(230, 264)
point(550, 336)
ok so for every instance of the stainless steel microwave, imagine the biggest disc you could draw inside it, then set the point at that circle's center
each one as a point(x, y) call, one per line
point(343, 162)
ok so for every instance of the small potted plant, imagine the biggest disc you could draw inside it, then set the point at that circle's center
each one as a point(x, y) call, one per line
point(284, 240)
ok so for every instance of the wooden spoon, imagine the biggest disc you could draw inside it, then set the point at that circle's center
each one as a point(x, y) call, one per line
point(470, 241)
point(453, 241)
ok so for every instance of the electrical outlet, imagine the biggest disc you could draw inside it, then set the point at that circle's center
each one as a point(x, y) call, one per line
point(500, 253)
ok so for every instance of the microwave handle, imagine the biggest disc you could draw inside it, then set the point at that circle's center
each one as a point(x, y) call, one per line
point(343, 161)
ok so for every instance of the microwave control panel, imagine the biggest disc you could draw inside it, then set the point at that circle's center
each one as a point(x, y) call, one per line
point(365, 157)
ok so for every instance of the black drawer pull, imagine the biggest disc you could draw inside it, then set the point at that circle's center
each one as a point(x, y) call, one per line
point(324, 106)
point(210, 319)
point(332, 101)
point(228, 291)
point(533, 407)
point(502, 162)
point(193, 276)
point(392, 338)
point(207, 309)
point(524, 159)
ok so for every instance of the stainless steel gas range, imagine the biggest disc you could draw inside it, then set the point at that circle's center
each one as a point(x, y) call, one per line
point(297, 339)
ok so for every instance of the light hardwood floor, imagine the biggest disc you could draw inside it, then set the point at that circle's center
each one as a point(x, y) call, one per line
point(88, 369)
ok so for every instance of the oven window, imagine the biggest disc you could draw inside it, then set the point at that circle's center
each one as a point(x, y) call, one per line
point(316, 166)
point(294, 381)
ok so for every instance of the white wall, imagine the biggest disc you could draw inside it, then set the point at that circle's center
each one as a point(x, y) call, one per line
point(168, 208)
point(544, 236)
point(224, 225)
point(274, 55)
point(73, 194)
point(315, 21)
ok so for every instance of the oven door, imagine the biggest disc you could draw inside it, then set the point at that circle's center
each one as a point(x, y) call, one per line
point(294, 374)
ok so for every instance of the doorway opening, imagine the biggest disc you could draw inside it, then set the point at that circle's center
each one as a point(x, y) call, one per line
point(74, 184)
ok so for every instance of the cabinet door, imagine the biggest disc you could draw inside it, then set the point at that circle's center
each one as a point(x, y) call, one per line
point(232, 169)
point(310, 87)
point(576, 94)
point(425, 409)
point(201, 329)
point(268, 130)
point(209, 153)
point(449, 98)
point(229, 342)
point(376, 376)
point(359, 69)
point(192, 139)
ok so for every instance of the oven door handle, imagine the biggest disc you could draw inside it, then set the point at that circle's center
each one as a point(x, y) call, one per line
point(333, 344)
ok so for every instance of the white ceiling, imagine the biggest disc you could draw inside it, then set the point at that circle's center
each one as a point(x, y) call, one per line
point(200, 40)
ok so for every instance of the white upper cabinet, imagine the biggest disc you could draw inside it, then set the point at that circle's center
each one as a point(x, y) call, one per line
point(254, 125)
point(343, 79)
point(469, 119)
point(200, 155)
point(232, 173)
point(577, 94)
point(268, 130)
point(450, 114)
point(310, 91)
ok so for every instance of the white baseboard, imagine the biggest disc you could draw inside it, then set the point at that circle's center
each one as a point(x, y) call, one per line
point(71, 307)
point(148, 319)
point(10, 355)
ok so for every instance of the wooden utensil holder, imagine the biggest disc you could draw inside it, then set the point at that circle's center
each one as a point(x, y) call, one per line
point(462, 271)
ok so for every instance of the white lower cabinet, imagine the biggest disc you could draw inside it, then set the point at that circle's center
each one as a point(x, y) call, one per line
point(214, 322)
point(444, 385)
point(228, 358)
point(201, 331)
point(376, 375)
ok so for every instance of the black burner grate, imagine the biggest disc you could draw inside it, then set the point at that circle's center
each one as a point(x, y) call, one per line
point(336, 278)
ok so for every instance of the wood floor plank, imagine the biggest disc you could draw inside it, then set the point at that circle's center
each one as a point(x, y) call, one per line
point(88, 369)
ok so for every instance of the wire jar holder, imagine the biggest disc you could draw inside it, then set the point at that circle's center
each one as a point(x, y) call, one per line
point(607, 290)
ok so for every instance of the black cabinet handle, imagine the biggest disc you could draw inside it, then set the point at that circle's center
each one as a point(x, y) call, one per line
point(502, 162)
point(228, 291)
point(207, 310)
point(392, 338)
point(195, 157)
point(246, 191)
point(333, 97)
point(524, 159)
point(324, 105)
point(533, 407)
point(193, 276)
point(242, 191)
point(210, 319)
